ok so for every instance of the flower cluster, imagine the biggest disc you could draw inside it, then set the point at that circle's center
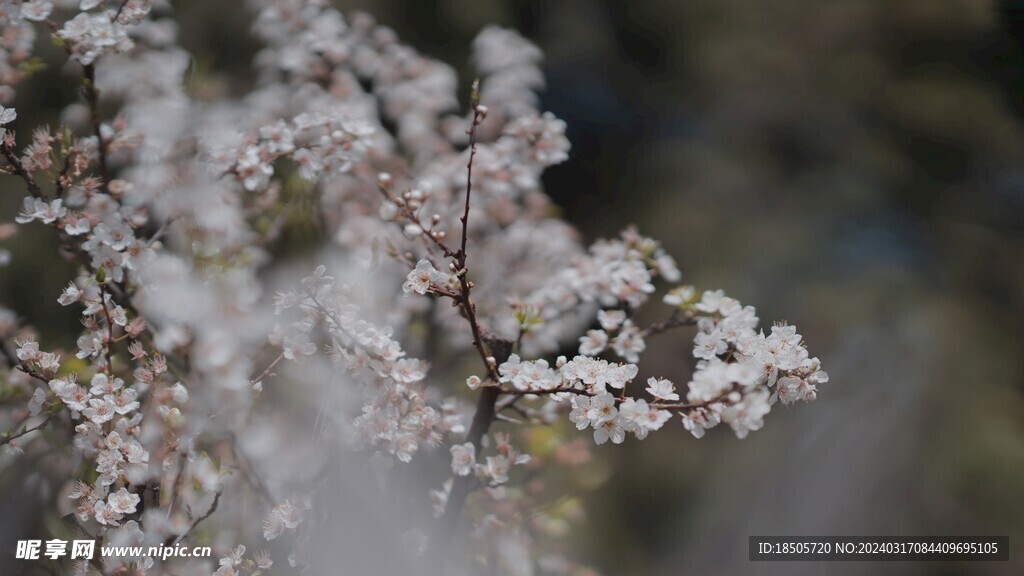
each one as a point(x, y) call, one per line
point(741, 372)
point(16, 44)
point(284, 516)
point(318, 142)
point(495, 469)
point(107, 430)
point(235, 563)
point(397, 417)
point(92, 34)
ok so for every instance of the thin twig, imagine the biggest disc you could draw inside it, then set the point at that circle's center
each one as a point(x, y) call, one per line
point(108, 348)
point(19, 170)
point(268, 370)
point(119, 10)
point(209, 512)
point(545, 392)
point(676, 320)
point(682, 406)
point(24, 367)
point(162, 230)
point(408, 214)
point(499, 352)
point(59, 181)
point(9, 437)
point(92, 95)
point(474, 104)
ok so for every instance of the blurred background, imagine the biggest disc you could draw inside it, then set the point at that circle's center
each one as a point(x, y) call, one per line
point(851, 166)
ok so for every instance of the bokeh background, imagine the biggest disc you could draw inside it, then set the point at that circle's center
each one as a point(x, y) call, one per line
point(855, 167)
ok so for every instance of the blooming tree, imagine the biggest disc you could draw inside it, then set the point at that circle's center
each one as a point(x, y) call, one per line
point(451, 292)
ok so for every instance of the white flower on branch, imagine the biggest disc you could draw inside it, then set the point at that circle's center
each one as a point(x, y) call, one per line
point(284, 516)
point(422, 277)
point(593, 342)
point(37, 10)
point(7, 115)
point(662, 389)
point(463, 458)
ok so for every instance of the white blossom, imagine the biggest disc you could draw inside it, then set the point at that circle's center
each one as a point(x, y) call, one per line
point(7, 115)
point(609, 430)
point(37, 10)
point(629, 342)
point(662, 389)
point(497, 469)
point(611, 319)
point(747, 415)
point(601, 409)
point(463, 458)
point(679, 296)
point(593, 342)
point(421, 278)
point(123, 502)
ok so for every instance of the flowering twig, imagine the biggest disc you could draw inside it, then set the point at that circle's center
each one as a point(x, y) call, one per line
point(462, 272)
point(65, 166)
point(544, 392)
point(478, 113)
point(500, 351)
point(19, 169)
point(13, 362)
point(436, 238)
point(109, 344)
point(676, 320)
point(92, 96)
point(32, 372)
point(269, 369)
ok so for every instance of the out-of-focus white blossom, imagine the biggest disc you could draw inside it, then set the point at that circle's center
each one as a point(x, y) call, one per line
point(463, 458)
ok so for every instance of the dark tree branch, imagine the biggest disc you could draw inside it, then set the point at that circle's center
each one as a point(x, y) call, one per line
point(19, 170)
point(92, 96)
point(492, 350)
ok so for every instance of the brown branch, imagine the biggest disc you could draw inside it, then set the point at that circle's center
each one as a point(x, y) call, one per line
point(268, 371)
point(59, 181)
point(462, 272)
point(681, 406)
point(24, 367)
point(13, 363)
point(684, 407)
point(474, 104)
point(9, 437)
point(209, 512)
point(92, 96)
point(513, 407)
point(676, 320)
point(415, 219)
point(499, 352)
point(545, 392)
point(119, 10)
point(108, 347)
point(19, 170)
